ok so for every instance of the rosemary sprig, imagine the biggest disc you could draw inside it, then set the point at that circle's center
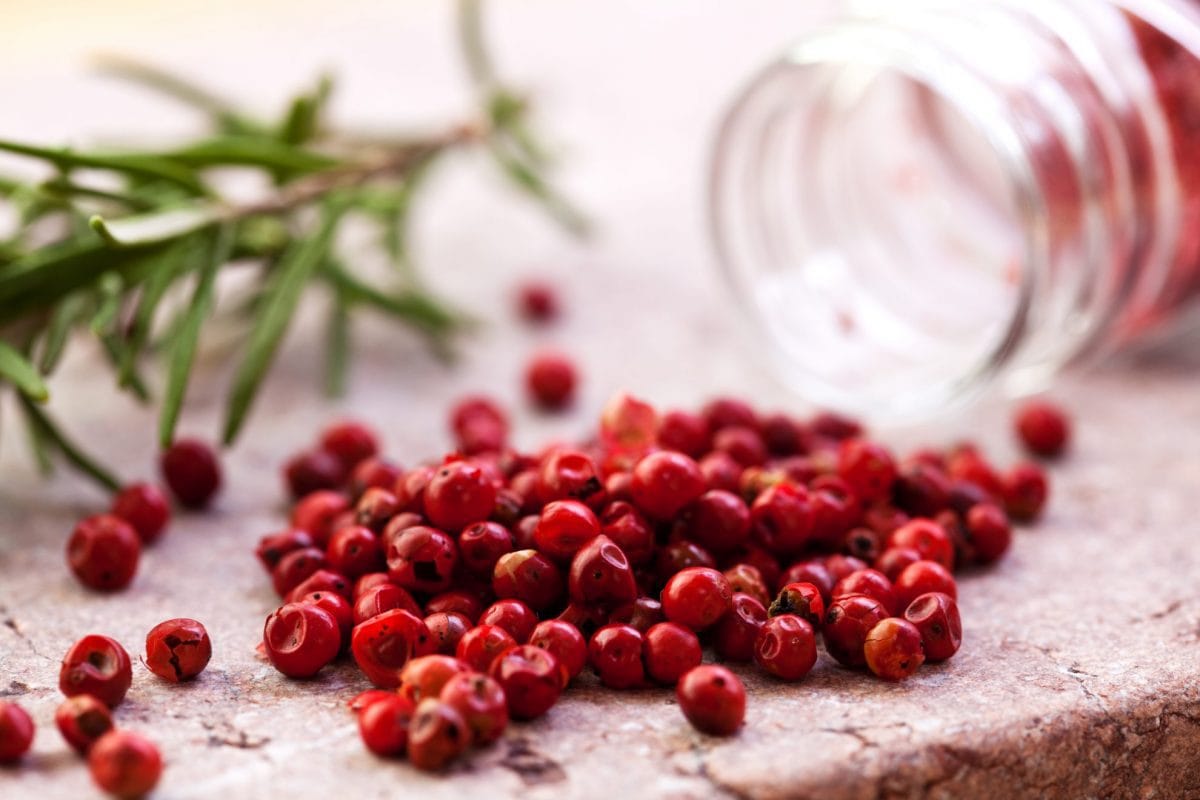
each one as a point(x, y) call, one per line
point(111, 258)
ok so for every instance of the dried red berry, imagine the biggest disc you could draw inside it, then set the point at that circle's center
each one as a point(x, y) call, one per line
point(813, 571)
point(103, 552)
point(893, 649)
point(748, 579)
point(462, 601)
point(81, 720)
point(1043, 427)
point(381, 598)
point(782, 518)
point(384, 723)
point(458, 494)
point(738, 630)
point(447, 628)
point(564, 641)
point(867, 467)
point(926, 537)
point(847, 623)
point(786, 647)
point(313, 471)
point(375, 508)
point(337, 606)
point(629, 530)
point(988, 530)
point(360, 701)
point(300, 639)
point(531, 680)
point(437, 735)
point(350, 442)
point(99, 666)
point(537, 302)
point(601, 575)
point(665, 482)
point(479, 425)
point(422, 559)
point(936, 616)
point(191, 471)
point(354, 551)
point(920, 577)
point(718, 521)
point(684, 432)
point(891, 562)
point(125, 764)
point(424, 676)
point(713, 700)
point(178, 649)
point(872, 583)
point(382, 645)
point(1025, 490)
point(697, 597)
point(726, 412)
point(530, 577)
point(481, 545)
point(16, 732)
point(642, 614)
point(627, 423)
point(801, 599)
point(615, 653)
point(318, 514)
point(143, 506)
point(273, 547)
point(323, 580)
point(513, 616)
point(550, 380)
point(479, 646)
point(481, 703)
point(564, 527)
point(669, 651)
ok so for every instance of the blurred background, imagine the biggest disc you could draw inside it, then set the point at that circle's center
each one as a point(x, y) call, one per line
point(626, 93)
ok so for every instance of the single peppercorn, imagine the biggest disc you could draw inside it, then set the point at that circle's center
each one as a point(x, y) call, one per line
point(988, 531)
point(891, 562)
point(872, 583)
point(312, 471)
point(481, 703)
point(82, 720)
point(697, 597)
point(718, 521)
point(300, 639)
point(318, 514)
point(531, 680)
point(669, 651)
point(847, 623)
point(481, 545)
point(664, 482)
point(323, 580)
point(463, 601)
point(339, 607)
point(566, 474)
point(274, 546)
point(893, 649)
point(615, 653)
point(354, 551)
point(713, 699)
point(383, 724)
point(350, 441)
point(437, 735)
point(538, 302)
point(143, 506)
point(629, 530)
point(1043, 427)
point(737, 631)
point(867, 467)
point(103, 552)
point(192, 472)
point(920, 577)
point(360, 701)
point(564, 527)
point(382, 645)
point(781, 518)
point(601, 575)
point(424, 676)
point(936, 616)
point(480, 646)
point(383, 597)
point(564, 641)
point(458, 494)
point(99, 666)
point(550, 380)
point(786, 647)
point(926, 537)
point(125, 764)
point(1025, 491)
point(447, 628)
point(642, 614)
point(530, 577)
point(422, 559)
point(802, 599)
point(748, 579)
point(16, 732)
point(513, 616)
point(178, 649)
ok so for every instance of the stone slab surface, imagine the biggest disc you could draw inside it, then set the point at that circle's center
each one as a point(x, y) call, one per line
point(1080, 672)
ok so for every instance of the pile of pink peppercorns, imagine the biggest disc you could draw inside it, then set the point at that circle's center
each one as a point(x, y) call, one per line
point(474, 590)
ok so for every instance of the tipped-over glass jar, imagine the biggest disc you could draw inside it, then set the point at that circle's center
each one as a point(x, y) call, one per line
point(919, 202)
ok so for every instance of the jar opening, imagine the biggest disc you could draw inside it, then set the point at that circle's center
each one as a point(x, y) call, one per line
point(877, 214)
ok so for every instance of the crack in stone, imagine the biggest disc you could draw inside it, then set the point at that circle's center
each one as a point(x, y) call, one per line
point(236, 737)
point(13, 625)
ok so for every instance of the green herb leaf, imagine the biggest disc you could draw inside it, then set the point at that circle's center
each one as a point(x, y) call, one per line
point(77, 457)
point(154, 227)
point(185, 337)
point(337, 346)
point(66, 313)
point(172, 264)
point(413, 307)
point(17, 370)
point(303, 120)
point(296, 266)
point(142, 164)
point(109, 289)
point(537, 187)
point(249, 151)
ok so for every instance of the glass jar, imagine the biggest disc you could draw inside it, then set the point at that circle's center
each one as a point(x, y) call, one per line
point(918, 202)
